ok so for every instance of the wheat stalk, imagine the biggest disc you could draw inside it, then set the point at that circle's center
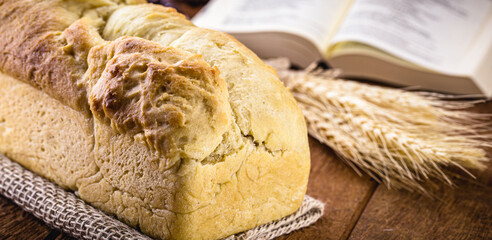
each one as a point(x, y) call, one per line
point(397, 137)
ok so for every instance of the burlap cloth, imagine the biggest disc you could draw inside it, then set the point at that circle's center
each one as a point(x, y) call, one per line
point(66, 212)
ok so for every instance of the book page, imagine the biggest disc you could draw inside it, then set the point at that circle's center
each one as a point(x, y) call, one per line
point(314, 19)
point(479, 59)
point(435, 34)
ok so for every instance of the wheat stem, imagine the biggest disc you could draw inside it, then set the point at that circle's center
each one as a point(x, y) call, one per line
point(397, 137)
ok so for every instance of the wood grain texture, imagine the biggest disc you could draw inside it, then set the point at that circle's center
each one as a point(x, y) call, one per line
point(460, 212)
point(344, 193)
point(463, 212)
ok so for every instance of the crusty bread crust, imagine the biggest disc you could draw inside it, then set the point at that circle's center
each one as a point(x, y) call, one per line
point(180, 131)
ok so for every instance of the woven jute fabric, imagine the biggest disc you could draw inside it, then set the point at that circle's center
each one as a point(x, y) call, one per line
point(66, 212)
point(309, 212)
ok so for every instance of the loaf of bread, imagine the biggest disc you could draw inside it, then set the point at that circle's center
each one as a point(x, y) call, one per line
point(179, 131)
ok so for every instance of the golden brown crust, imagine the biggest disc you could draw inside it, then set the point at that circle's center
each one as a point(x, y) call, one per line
point(37, 42)
point(175, 99)
point(32, 49)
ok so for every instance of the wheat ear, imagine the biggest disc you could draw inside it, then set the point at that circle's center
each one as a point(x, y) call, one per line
point(398, 137)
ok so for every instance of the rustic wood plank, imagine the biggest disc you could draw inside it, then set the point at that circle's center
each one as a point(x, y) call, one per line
point(15, 223)
point(461, 212)
point(464, 212)
point(344, 193)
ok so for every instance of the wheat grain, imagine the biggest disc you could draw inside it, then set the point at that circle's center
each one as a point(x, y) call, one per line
point(400, 138)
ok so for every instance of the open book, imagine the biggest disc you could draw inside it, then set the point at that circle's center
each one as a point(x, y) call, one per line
point(442, 45)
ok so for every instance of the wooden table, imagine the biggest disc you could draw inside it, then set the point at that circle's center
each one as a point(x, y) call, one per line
point(356, 206)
